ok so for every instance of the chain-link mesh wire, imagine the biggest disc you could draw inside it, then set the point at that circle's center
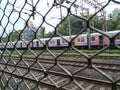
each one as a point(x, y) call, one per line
point(24, 67)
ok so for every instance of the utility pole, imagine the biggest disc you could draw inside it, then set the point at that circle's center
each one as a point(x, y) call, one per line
point(104, 22)
point(88, 33)
point(69, 26)
point(33, 9)
point(69, 22)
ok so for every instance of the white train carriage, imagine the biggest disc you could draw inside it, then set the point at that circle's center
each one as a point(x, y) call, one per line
point(60, 42)
point(2, 45)
point(81, 41)
point(117, 36)
point(38, 43)
point(10, 45)
point(54, 42)
point(21, 44)
point(94, 38)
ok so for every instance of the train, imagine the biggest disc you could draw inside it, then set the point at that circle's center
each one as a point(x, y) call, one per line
point(97, 41)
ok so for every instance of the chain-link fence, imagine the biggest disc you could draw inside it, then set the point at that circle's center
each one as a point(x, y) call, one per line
point(43, 44)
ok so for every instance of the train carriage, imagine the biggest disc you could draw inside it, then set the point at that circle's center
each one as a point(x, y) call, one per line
point(10, 45)
point(117, 36)
point(21, 44)
point(2, 46)
point(81, 41)
point(64, 41)
point(54, 42)
point(97, 40)
point(117, 41)
point(38, 43)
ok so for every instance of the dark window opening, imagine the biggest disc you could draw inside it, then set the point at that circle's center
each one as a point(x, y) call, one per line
point(58, 42)
point(37, 43)
point(101, 40)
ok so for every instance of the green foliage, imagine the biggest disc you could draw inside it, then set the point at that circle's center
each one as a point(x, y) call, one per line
point(49, 34)
point(13, 36)
point(76, 25)
point(113, 22)
point(97, 22)
point(42, 32)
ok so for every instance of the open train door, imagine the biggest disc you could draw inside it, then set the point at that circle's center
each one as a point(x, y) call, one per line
point(58, 42)
point(100, 40)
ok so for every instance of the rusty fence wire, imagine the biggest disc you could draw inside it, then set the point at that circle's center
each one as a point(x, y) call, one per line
point(28, 69)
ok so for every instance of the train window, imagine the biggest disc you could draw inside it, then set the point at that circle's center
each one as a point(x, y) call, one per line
point(52, 42)
point(78, 39)
point(92, 38)
point(82, 39)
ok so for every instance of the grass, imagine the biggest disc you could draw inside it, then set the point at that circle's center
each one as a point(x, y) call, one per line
point(90, 51)
point(106, 52)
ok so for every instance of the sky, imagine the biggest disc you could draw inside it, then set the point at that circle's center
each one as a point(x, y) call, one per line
point(16, 21)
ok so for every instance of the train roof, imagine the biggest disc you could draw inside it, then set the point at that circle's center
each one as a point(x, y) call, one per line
point(109, 32)
point(113, 32)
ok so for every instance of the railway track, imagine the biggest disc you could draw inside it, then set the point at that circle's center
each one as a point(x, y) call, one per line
point(106, 65)
point(54, 79)
point(71, 55)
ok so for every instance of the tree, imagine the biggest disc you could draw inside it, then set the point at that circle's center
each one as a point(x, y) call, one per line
point(76, 26)
point(113, 22)
point(14, 35)
point(42, 32)
point(118, 21)
point(49, 34)
point(97, 22)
